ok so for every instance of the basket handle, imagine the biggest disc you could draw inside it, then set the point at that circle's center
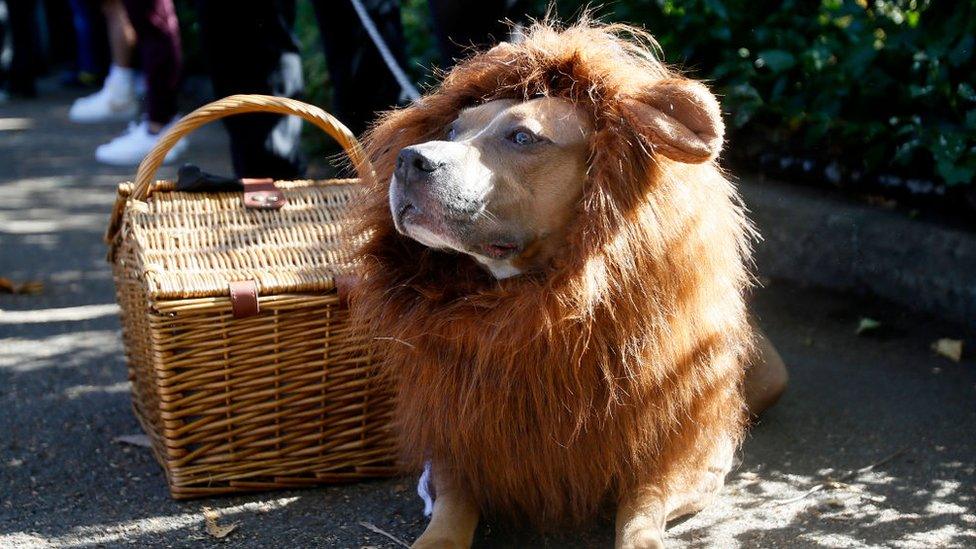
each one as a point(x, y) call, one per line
point(240, 104)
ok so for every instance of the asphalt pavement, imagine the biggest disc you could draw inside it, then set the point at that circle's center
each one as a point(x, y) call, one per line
point(874, 444)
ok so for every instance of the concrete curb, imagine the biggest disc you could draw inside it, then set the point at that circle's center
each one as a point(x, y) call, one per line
point(817, 237)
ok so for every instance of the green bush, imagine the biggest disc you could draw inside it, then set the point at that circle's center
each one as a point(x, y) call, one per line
point(879, 87)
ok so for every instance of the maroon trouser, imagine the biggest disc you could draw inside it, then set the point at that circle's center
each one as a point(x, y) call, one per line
point(158, 32)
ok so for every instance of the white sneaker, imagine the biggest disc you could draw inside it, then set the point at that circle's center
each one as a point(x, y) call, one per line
point(116, 101)
point(134, 144)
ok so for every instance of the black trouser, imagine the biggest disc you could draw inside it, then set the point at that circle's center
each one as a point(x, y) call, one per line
point(26, 59)
point(158, 32)
point(252, 49)
point(460, 25)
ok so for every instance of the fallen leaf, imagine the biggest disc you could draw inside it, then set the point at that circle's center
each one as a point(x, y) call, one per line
point(949, 348)
point(31, 287)
point(866, 325)
point(210, 524)
point(135, 440)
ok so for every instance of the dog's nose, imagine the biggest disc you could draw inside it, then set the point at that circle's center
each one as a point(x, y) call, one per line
point(413, 165)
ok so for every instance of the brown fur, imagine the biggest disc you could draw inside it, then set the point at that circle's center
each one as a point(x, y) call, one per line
point(545, 395)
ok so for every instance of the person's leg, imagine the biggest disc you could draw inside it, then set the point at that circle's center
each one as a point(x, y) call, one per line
point(121, 34)
point(62, 43)
point(23, 33)
point(85, 41)
point(158, 33)
point(251, 49)
point(459, 26)
point(116, 101)
point(362, 84)
point(3, 73)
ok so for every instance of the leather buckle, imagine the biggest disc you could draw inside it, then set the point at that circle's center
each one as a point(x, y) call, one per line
point(244, 298)
point(262, 194)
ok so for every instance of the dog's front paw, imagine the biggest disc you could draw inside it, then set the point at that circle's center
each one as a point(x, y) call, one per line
point(645, 538)
point(425, 542)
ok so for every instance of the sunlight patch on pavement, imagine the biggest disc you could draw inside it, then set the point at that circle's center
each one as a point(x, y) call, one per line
point(77, 275)
point(64, 192)
point(130, 531)
point(937, 538)
point(833, 539)
point(63, 314)
point(10, 225)
point(14, 124)
point(72, 350)
point(754, 503)
point(80, 390)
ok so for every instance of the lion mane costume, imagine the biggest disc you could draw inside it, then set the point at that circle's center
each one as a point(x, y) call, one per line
point(546, 395)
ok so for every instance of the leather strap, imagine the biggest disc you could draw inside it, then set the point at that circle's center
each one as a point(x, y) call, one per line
point(262, 194)
point(244, 298)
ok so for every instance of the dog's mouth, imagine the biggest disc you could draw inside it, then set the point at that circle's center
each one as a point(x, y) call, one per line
point(503, 249)
point(426, 228)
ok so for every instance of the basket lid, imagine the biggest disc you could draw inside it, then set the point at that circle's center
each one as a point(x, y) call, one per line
point(186, 245)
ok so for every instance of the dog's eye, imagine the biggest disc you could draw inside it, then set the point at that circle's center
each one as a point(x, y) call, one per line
point(523, 137)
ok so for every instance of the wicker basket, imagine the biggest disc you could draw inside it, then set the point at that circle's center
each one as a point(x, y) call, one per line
point(245, 373)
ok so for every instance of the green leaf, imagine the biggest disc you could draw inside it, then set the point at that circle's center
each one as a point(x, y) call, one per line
point(951, 162)
point(966, 92)
point(971, 120)
point(903, 154)
point(743, 101)
point(718, 8)
point(912, 17)
point(844, 22)
point(962, 52)
point(916, 91)
point(956, 174)
point(867, 325)
point(833, 5)
point(775, 60)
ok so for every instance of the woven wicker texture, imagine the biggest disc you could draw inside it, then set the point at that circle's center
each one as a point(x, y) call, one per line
point(194, 244)
point(286, 398)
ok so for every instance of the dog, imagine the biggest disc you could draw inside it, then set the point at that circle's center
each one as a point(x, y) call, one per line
point(557, 270)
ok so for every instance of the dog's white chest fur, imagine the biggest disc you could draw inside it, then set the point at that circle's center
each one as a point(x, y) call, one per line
point(499, 268)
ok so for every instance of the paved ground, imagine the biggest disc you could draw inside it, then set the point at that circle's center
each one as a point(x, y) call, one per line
point(854, 401)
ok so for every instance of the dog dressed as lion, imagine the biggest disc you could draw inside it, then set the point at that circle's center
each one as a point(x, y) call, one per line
point(557, 269)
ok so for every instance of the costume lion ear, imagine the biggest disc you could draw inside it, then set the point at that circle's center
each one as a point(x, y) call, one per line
point(680, 118)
